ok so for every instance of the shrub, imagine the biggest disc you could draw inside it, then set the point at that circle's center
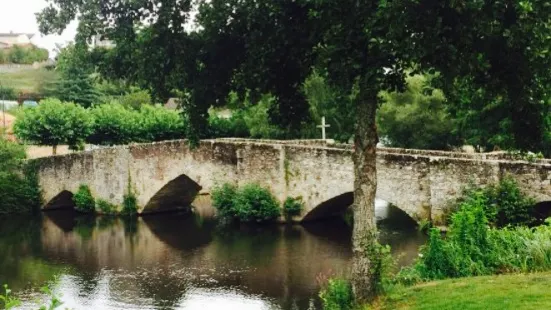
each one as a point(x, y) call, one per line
point(506, 204)
point(83, 199)
point(257, 119)
point(222, 200)
point(255, 204)
point(135, 100)
point(7, 93)
point(251, 203)
point(233, 127)
point(156, 123)
point(381, 263)
point(472, 248)
point(129, 204)
point(293, 206)
point(19, 190)
point(113, 124)
point(105, 207)
point(337, 295)
point(11, 155)
point(16, 194)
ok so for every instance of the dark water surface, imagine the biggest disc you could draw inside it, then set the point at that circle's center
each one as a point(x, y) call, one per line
point(177, 261)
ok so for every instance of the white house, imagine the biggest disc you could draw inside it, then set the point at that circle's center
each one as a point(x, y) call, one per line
point(8, 40)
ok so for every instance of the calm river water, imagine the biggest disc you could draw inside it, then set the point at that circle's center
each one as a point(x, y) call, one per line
point(177, 261)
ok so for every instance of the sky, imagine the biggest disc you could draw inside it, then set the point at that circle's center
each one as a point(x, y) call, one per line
point(18, 16)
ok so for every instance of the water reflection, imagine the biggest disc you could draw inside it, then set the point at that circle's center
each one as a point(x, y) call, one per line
point(177, 261)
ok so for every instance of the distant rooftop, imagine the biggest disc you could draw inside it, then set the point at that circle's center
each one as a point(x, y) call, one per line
point(13, 34)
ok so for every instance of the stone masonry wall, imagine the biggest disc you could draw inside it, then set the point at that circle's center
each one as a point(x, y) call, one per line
point(420, 183)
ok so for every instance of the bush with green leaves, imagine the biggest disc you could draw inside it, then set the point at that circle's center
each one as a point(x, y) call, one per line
point(105, 208)
point(503, 203)
point(293, 206)
point(113, 124)
point(473, 248)
point(222, 200)
point(254, 203)
point(507, 205)
point(232, 127)
point(83, 199)
point(337, 295)
point(129, 204)
point(19, 189)
point(23, 55)
point(136, 99)
point(250, 203)
point(7, 93)
point(155, 123)
point(54, 123)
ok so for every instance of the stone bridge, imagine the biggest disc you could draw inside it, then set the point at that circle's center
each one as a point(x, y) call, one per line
point(168, 175)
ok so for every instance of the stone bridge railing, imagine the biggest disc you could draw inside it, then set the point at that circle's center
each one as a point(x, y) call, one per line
point(168, 175)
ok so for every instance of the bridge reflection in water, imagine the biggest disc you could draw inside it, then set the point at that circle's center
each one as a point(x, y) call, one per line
point(178, 261)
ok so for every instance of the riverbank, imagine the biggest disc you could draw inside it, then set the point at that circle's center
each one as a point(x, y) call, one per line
point(502, 292)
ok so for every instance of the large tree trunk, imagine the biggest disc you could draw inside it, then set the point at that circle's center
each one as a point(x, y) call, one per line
point(365, 187)
point(54, 149)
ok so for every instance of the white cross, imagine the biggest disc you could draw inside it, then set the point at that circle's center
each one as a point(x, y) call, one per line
point(323, 126)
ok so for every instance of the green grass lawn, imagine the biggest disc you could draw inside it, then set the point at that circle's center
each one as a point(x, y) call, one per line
point(519, 291)
point(27, 80)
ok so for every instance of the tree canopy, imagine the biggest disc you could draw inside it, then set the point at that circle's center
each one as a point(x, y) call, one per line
point(493, 59)
point(54, 123)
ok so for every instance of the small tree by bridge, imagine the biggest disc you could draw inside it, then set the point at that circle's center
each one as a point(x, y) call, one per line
point(54, 123)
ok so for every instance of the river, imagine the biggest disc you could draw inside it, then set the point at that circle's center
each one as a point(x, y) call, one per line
point(179, 261)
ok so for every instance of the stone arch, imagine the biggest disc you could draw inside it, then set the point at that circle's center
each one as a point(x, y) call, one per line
point(63, 200)
point(542, 210)
point(176, 194)
point(339, 204)
point(330, 207)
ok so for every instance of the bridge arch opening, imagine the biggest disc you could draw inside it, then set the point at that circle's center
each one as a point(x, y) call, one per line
point(542, 210)
point(339, 205)
point(175, 195)
point(329, 208)
point(63, 200)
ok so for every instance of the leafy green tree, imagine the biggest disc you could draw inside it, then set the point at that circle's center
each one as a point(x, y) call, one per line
point(325, 101)
point(493, 60)
point(363, 47)
point(54, 123)
point(417, 118)
point(75, 84)
point(257, 119)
